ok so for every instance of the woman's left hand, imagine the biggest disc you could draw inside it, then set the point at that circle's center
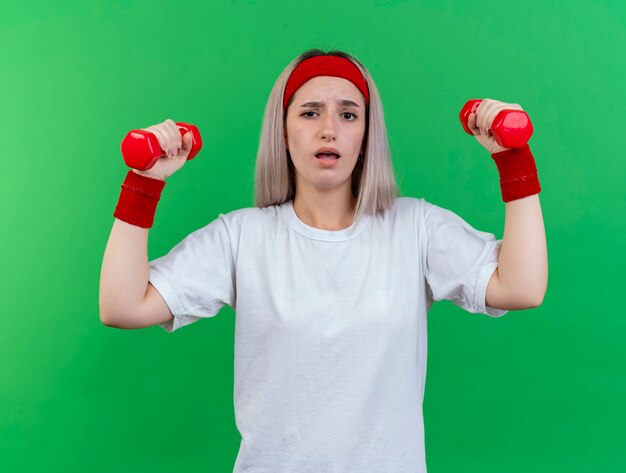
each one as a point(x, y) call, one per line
point(480, 122)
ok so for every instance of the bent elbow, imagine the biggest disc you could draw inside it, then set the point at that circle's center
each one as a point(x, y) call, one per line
point(536, 301)
point(106, 321)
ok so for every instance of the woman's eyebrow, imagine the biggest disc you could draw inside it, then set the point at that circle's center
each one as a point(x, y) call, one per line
point(349, 103)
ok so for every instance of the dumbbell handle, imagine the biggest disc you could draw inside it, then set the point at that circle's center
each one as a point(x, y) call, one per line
point(510, 128)
point(141, 149)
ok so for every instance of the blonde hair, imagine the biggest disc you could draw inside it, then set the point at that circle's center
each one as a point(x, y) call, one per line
point(373, 180)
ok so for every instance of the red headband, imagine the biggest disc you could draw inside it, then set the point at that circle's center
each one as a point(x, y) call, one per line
point(325, 65)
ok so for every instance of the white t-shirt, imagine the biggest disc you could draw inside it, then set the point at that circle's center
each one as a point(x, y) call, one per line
point(330, 326)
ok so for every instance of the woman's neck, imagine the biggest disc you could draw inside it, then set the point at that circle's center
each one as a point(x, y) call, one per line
point(325, 210)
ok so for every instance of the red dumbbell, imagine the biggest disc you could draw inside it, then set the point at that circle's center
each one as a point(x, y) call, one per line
point(141, 149)
point(510, 128)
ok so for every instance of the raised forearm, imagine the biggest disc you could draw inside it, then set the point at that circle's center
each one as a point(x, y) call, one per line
point(523, 261)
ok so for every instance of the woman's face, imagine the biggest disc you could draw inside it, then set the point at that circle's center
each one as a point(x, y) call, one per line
point(326, 112)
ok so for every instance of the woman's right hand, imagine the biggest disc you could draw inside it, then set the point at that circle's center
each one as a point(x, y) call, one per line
point(176, 149)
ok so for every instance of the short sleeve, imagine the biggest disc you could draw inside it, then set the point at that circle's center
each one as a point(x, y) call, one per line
point(459, 261)
point(197, 277)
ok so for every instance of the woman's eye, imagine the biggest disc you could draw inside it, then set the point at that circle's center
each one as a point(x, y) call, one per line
point(351, 118)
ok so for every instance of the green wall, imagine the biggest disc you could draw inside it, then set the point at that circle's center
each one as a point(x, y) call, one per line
point(539, 390)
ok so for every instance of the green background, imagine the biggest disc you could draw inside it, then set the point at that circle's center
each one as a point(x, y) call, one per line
point(538, 390)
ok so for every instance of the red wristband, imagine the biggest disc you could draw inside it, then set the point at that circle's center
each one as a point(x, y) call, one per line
point(138, 199)
point(518, 173)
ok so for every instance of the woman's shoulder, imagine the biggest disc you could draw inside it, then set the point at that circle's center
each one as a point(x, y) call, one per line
point(251, 215)
point(419, 204)
point(407, 201)
point(421, 210)
point(408, 204)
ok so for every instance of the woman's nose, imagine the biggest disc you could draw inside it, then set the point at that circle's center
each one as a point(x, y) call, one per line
point(328, 126)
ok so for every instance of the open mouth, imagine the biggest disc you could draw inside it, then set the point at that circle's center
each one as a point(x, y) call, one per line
point(325, 156)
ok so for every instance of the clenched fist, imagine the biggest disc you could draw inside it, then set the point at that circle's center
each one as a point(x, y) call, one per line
point(480, 122)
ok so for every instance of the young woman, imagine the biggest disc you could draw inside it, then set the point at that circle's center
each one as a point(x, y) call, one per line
point(331, 274)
